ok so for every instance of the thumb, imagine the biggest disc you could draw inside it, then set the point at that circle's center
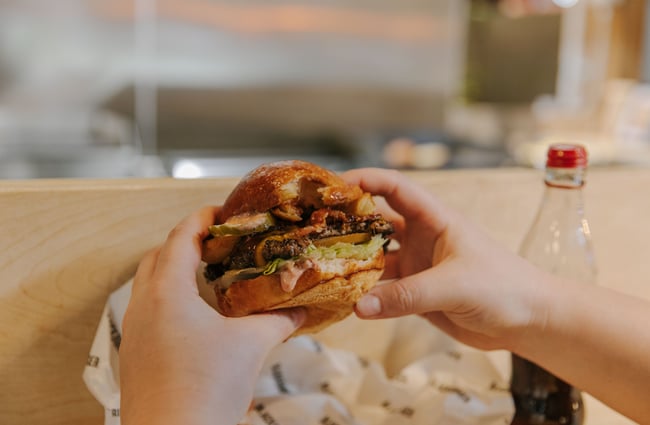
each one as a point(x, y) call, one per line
point(276, 326)
point(420, 293)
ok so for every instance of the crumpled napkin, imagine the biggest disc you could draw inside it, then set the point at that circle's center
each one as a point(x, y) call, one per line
point(397, 372)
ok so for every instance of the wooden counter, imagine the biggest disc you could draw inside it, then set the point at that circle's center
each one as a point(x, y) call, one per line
point(66, 244)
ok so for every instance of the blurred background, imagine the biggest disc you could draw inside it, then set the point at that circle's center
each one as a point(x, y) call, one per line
point(198, 88)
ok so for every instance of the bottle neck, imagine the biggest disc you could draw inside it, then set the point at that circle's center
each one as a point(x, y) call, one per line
point(563, 192)
point(559, 239)
point(565, 178)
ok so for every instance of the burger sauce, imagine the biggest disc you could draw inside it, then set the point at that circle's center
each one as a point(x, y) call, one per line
point(291, 273)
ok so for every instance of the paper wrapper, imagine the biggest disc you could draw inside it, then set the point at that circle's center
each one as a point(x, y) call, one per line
point(384, 372)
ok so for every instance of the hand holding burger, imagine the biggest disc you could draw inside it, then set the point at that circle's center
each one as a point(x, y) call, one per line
point(294, 234)
point(176, 355)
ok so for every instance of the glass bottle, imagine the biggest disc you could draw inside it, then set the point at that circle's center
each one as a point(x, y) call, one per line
point(558, 241)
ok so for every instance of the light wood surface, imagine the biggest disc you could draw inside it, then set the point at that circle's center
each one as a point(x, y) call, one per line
point(66, 244)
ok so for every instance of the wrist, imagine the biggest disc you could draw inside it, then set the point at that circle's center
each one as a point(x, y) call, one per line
point(542, 301)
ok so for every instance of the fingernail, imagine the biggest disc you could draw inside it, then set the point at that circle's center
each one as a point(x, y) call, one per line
point(369, 305)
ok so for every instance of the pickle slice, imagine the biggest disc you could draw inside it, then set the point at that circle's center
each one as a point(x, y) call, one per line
point(243, 224)
point(232, 276)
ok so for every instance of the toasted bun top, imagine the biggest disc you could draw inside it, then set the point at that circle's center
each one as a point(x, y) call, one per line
point(287, 182)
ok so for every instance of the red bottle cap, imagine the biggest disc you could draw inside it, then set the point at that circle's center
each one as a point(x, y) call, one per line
point(566, 156)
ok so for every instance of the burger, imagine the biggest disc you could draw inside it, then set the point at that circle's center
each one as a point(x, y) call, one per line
point(292, 234)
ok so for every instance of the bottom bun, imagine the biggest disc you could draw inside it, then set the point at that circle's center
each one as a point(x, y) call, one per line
point(332, 300)
point(328, 294)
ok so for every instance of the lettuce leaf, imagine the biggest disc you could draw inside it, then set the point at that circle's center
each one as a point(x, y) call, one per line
point(339, 250)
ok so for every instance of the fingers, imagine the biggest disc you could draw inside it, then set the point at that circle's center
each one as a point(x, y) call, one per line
point(416, 294)
point(391, 265)
point(181, 253)
point(407, 198)
point(391, 215)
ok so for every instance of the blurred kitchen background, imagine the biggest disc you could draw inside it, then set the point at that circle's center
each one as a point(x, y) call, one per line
point(195, 88)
